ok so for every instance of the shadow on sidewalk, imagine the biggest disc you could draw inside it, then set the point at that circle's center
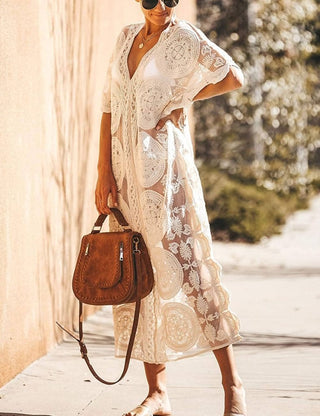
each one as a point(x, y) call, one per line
point(19, 414)
point(277, 341)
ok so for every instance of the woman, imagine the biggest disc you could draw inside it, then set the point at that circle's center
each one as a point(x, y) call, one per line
point(146, 167)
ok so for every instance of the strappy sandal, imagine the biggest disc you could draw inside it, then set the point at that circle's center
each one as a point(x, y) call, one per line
point(233, 414)
point(237, 414)
point(147, 411)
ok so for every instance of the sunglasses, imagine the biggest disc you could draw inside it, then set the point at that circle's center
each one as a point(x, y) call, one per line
point(151, 4)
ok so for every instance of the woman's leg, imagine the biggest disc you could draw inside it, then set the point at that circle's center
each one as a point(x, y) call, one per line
point(234, 400)
point(157, 399)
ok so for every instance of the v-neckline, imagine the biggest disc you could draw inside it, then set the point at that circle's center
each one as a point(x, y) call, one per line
point(134, 35)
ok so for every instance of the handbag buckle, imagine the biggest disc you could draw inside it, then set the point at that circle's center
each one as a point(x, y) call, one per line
point(83, 349)
point(135, 243)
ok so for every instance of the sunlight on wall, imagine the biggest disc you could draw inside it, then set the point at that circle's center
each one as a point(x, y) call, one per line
point(54, 55)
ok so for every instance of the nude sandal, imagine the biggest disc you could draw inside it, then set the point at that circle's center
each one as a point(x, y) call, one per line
point(233, 414)
point(148, 412)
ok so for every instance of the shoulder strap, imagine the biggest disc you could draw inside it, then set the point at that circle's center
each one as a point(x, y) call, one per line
point(83, 348)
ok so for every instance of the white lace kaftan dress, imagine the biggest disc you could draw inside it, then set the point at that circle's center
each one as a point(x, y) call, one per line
point(160, 194)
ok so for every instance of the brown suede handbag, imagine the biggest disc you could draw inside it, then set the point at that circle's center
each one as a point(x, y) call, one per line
point(112, 268)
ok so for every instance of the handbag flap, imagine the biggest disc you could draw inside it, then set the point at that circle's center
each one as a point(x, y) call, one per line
point(102, 259)
point(107, 270)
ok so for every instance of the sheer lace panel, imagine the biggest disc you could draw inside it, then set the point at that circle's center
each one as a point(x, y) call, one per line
point(160, 194)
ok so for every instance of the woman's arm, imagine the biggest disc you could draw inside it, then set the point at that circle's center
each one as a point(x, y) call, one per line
point(104, 160)
point(232, 81)
point(106, 183)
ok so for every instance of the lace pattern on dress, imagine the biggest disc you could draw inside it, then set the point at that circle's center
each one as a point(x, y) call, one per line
point(161, 196)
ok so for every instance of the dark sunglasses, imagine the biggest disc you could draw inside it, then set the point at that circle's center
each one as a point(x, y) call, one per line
point(151, 4)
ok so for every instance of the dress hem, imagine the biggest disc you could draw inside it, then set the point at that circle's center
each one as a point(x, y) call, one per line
point(234, 340)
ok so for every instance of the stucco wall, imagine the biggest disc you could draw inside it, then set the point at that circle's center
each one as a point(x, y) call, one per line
point(53, 56)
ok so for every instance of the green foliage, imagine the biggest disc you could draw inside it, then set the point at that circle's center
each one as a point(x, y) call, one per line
point(271, 125)
point(238, 210)
point(258, 147)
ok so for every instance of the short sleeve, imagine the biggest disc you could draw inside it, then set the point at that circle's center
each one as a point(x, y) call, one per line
point(213, 65)
point(210, 67)
point(106, 92)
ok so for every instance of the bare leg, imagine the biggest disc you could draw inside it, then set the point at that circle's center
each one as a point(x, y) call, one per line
point(157, 399)
point(234, 400)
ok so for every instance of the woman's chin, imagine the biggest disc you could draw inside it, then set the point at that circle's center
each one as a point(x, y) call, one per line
point(160, 20)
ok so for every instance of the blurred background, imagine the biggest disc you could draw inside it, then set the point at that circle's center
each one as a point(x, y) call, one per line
point(257, 149)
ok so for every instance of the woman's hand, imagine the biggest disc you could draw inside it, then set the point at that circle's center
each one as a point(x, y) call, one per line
point(176, 116)
point(106, 184)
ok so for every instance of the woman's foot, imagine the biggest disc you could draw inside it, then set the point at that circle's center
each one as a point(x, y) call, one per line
point(156, 403)
point(234, 399)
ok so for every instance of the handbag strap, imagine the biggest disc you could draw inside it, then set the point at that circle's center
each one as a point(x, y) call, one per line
point(101, 218)
point(83, 348)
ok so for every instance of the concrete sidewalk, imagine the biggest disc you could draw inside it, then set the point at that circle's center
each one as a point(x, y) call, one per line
point(277, 301)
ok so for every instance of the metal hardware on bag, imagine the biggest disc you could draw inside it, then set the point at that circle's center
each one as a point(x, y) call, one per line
point(136, 242)
point(121, 251)
point(83, 349)
point(135, 272)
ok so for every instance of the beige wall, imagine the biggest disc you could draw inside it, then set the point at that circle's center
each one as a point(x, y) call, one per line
point(53, 56)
